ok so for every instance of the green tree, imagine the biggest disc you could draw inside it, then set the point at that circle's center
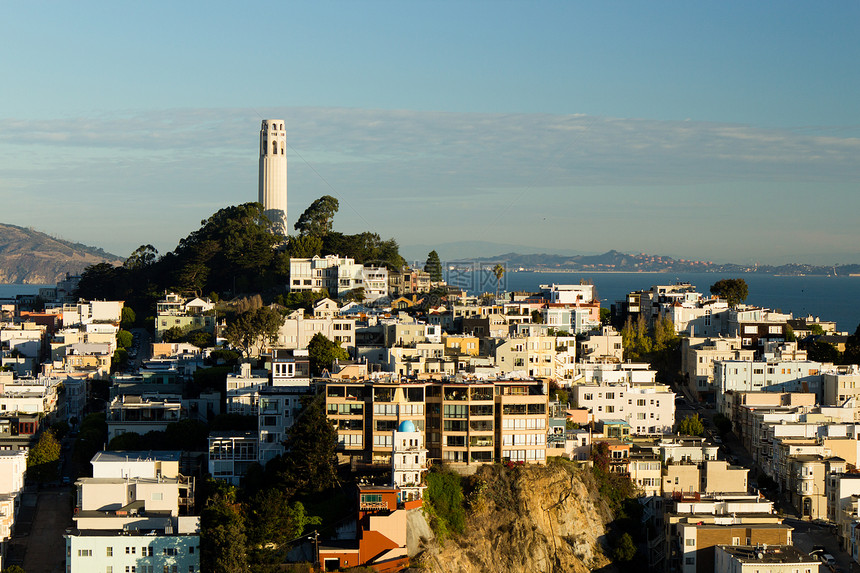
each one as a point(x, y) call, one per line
point(624, 550)
point(691, 426)
point(124, 339)
point(310, 464)
point(318, 218)
point(14, 569)
point(200, 338)
point(323, 352)
point(223, 540)
point(128, 318)
point(820, 351)
point(142, 258)
point(254, 329)
point(433, 266)
point(304, 246)
point(44, 458)
point(851, 355)
point(172, 334)
point(273, 519)
point(734, 291)
point(605, 316)
point(537, 317)
point(354, 295)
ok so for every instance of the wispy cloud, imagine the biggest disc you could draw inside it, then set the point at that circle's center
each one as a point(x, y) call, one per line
point(390, 163)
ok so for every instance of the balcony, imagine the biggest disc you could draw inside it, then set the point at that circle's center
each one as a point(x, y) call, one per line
point(373, 506)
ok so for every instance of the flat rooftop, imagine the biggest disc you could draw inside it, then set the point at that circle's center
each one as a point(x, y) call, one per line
point(767, 554)
point(124, 456)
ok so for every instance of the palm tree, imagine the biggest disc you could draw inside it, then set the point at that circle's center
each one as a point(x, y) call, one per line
point(499, 271)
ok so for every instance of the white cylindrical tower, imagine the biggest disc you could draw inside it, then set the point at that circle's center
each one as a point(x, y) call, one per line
point(273, 172)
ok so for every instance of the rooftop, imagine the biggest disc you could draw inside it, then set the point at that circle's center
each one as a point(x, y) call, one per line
point(767, 554)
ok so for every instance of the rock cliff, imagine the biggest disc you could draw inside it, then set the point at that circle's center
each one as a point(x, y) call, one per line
point(28, 256)
point(524, 519)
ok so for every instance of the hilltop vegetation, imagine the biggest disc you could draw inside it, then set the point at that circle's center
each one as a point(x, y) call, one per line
point(234, 252)
point(28, 256)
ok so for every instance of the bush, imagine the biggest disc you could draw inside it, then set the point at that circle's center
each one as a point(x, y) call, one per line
point(445, 497)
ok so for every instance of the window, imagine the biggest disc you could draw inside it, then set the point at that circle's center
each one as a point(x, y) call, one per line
point(85, 552)
point(690, 542)
point(109, 551)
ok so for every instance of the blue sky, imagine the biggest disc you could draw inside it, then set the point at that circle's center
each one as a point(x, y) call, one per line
point(728, 131)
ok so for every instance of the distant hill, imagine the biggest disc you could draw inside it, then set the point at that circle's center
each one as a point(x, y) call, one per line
point(28, 256)
point(615, 261)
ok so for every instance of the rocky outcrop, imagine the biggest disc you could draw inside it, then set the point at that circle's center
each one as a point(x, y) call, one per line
point(525, 519)
point(28, 256)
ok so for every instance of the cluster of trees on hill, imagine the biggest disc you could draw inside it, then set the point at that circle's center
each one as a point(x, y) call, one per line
point(236, 250)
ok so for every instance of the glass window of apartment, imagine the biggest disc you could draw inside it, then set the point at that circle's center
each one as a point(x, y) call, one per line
point(109, 551)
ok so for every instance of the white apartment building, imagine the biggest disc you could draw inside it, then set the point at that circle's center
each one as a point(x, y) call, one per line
point(701, 317)
point(567, 294)
point(130, 517)
point(766, 375)
point(649, 410)
point(107, 311)
point(615, 373)
point(408, 460)
point(243, 390)
point(13, 466)
point(280, 402)
point(375, 283)
point(338, 275)
point(297, 330)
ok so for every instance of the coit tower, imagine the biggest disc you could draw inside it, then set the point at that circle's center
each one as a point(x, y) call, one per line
point(273, 172)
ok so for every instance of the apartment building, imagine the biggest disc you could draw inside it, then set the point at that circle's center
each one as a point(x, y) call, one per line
point(464, 422)
point(769, 375)
point(532, 356)
point(649, 410)
point(771, 558)
point(13, 465)
point(755, 326)
point(603, 346)
point(134, 514)
point(281, 401)
point(297, 330)
point(142, 414)
point(338, 275)
point(231, 453)
point(698, 356)
point(185, 314)
point(408, 282)
point(695, 525)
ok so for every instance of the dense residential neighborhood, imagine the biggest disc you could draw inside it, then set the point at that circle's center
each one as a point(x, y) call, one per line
point(734, 434)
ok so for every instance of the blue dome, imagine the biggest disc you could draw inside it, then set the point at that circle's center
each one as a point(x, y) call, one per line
point(406, 426)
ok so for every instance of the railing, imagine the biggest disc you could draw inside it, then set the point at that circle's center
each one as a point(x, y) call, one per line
point(373, 505)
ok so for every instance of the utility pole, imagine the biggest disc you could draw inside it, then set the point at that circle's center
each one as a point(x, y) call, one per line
point(316, 550)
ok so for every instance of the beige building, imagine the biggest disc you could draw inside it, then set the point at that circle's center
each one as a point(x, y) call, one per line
point(708, 477)
point(297, 330)
point(530, 355)
point(697, 361)
point(464, 423)
point(603, 346)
